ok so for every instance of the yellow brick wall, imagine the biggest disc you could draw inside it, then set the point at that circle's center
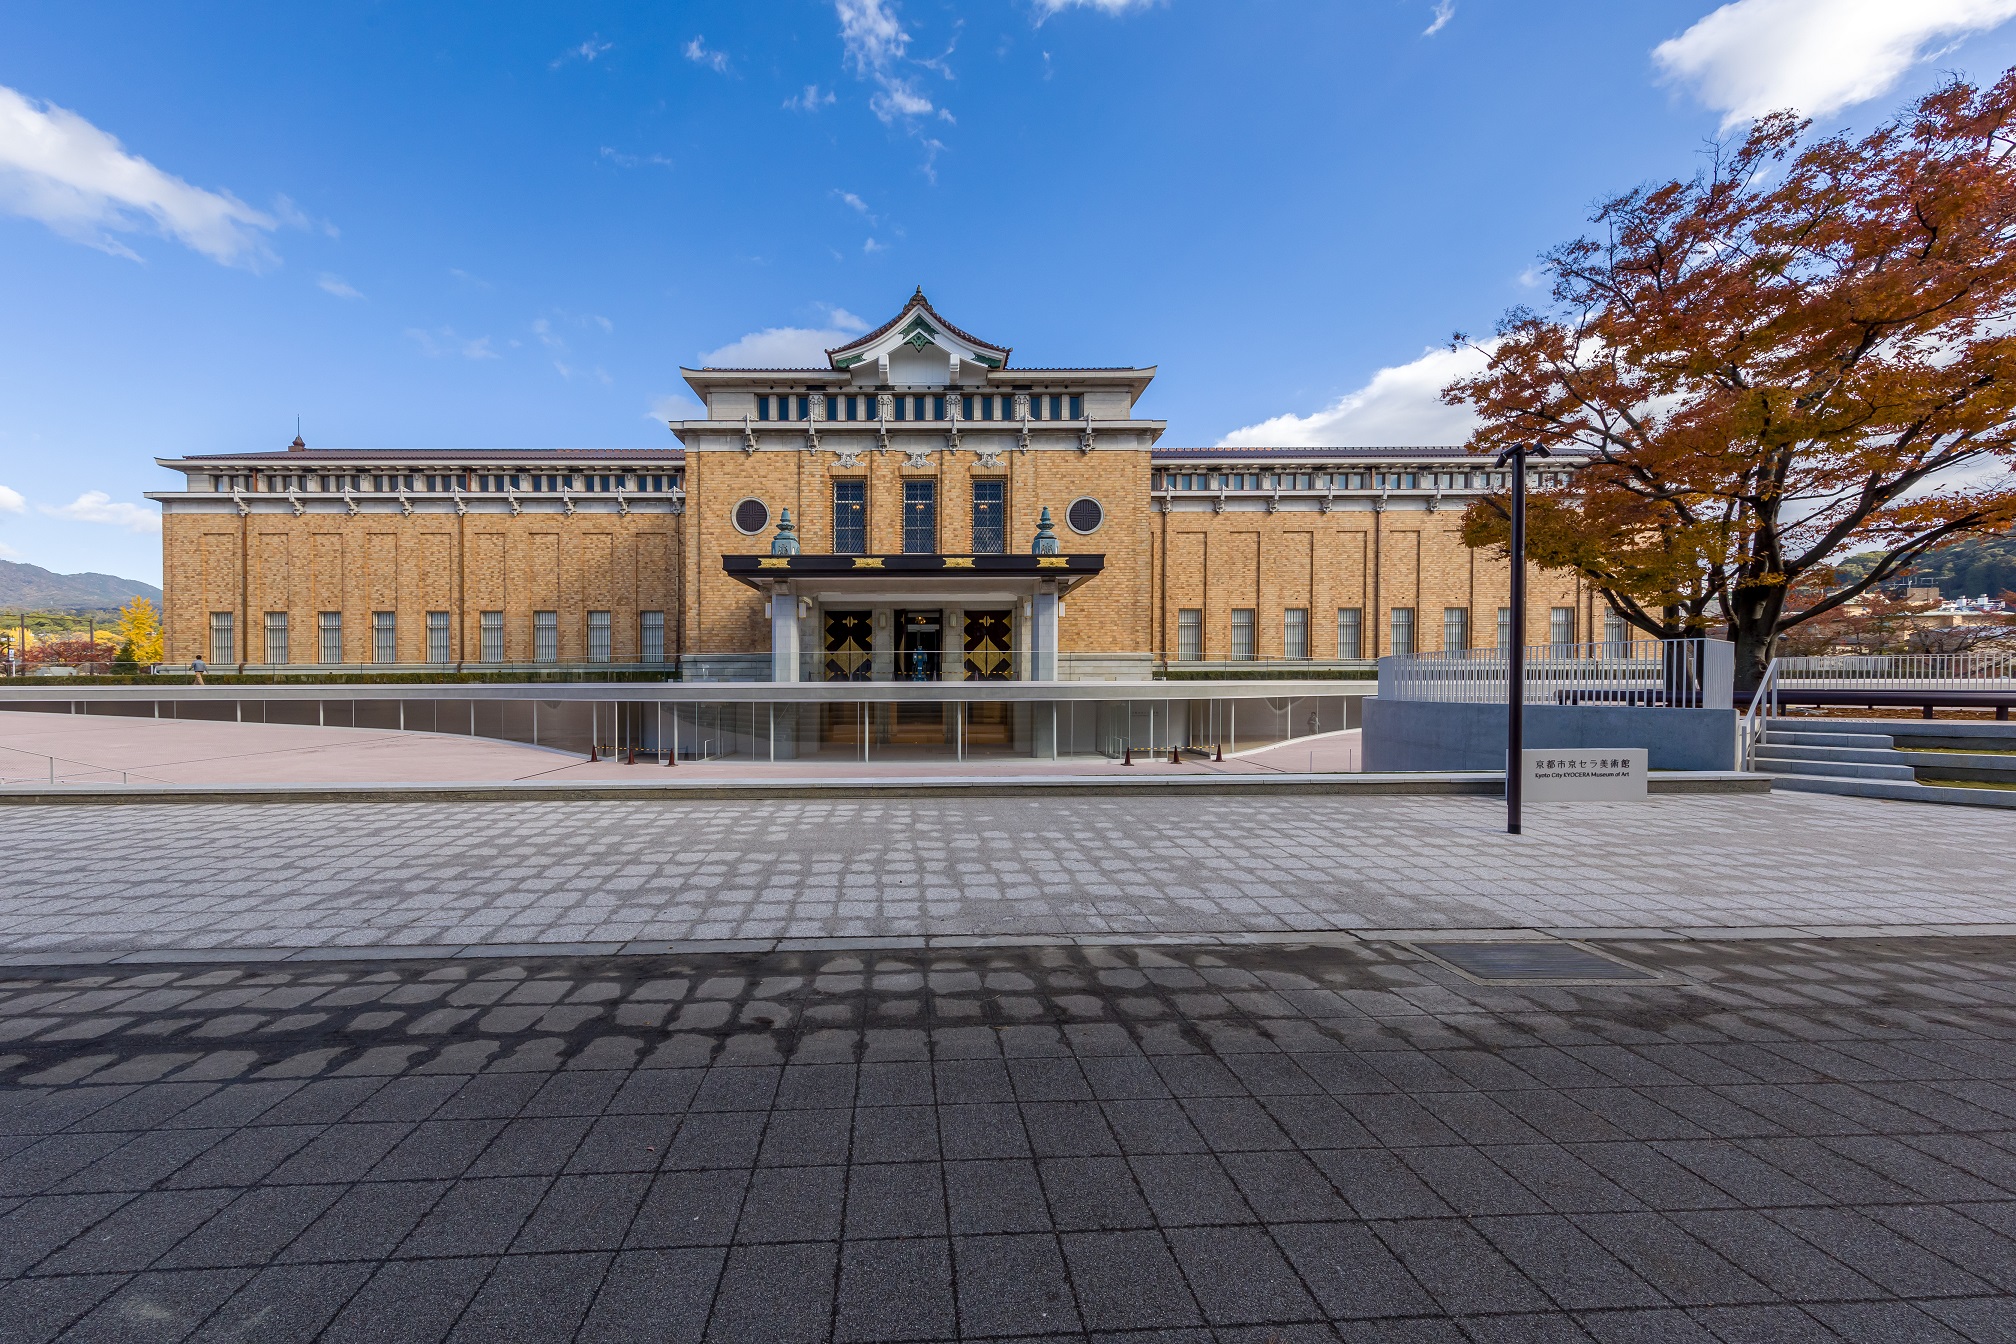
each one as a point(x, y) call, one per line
point(1108, 614)
point(1215, 562)
point(369, 562)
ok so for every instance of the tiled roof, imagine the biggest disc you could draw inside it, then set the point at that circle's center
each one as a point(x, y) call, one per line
point(445, 455)
point(918, 300)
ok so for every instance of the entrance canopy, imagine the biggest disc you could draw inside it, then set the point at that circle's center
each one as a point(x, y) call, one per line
point(919, 584)
point(886, 577)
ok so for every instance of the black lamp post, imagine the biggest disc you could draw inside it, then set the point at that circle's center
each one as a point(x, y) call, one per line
point(1515, 678)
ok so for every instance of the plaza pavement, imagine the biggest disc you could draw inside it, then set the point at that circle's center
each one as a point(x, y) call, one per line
point(95, 883)
point(1780, 1141)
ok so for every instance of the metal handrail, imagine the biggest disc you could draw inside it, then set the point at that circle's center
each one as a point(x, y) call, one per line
point(1757, 718)
point(1672, 673)
point(1907, 671)
point(125, 776)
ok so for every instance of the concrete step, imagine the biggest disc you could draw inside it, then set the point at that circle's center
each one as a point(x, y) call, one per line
point(1982, 765)
point(1795, 738)
point(1846, 755)
point(1788, 765)
point(1883, 788)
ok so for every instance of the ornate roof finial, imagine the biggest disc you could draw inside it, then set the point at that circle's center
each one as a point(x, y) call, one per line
point(786, 540)
point(1046, 535)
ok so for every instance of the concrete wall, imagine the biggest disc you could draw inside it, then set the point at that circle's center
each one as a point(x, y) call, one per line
point(1425, 735)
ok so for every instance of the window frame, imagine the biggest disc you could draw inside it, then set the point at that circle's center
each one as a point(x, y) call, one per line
point(856, 528)
point(920, 499)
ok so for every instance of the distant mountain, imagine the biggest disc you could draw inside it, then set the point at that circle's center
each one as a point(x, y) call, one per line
point(35, 588)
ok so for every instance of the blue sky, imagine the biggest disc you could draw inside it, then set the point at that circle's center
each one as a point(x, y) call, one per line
point(509, 224)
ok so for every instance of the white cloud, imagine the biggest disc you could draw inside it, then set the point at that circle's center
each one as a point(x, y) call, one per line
point(1400, 406)
point(1445, 10)
point(622, 160)
point(587, 51)
point(811, 100)
point(473, 281)
point(697, 52)
point(871, 247)
point(60, 170)
point(445, 341)
point(95, 506)
point(11, 501)
point(1045, 8)
point(779, 348)
point(674, 406)
point(840, 319)
point(337, 285)
point(848, 198)
point(1751, 57)
point(875, 41)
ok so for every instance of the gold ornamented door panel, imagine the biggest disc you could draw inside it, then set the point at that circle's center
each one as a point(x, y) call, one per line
point(988, 657)
point(850, 641)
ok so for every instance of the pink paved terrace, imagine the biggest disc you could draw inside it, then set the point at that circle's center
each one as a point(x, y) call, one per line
point(97, 749)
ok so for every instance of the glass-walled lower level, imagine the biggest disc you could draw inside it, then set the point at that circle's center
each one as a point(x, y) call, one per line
point(839, 730)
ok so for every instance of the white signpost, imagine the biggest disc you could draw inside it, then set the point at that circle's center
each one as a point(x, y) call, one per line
point(1584, 774)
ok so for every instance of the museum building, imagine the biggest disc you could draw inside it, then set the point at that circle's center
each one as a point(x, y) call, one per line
point(921, 508)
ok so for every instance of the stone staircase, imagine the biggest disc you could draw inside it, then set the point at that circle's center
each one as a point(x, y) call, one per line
point(1869, 758)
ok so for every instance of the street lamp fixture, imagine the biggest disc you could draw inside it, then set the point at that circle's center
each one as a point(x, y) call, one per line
point(1515, 672)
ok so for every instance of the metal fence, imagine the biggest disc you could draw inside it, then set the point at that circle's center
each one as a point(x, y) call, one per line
point(1665, 674)
point(1899, 672)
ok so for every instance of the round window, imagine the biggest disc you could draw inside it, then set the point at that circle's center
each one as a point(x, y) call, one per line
point(1085, 515)
point(751, 516)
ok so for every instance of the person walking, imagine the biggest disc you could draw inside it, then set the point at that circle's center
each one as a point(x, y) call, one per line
point(198, 667)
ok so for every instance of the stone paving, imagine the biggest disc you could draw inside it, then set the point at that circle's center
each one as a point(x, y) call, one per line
point(1784, 1141)
point(105, 879)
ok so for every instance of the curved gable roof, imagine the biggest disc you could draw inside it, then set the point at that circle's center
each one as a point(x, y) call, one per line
point(918, 325)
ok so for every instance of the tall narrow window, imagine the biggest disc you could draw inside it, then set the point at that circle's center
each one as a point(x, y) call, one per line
point(1402, 642)
point(223, 640)
point(1504, 627)
point(329, 633)
point(1561, 626)
point(1350, 632)
point(762, 408)
point(546, 636)
point(437, 636)
point(491, 628)
point(1242, 634)
point(1455, 629)
point(598, 636)
point(276, 636)
point(850, 517)
point(384, 637)
point(1189, 635)
point(920, 517)
point(1077, 408)
point(1295, 632)
point(1614, 629)
point(990, 508)
point(651, 636)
